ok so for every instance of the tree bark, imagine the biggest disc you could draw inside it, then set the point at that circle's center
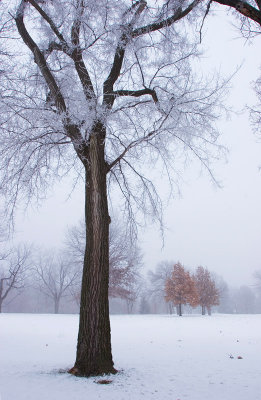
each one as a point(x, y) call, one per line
point(203, 310)
point(94, 339)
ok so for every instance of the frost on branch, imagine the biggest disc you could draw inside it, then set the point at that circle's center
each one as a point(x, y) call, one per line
point(128, 68)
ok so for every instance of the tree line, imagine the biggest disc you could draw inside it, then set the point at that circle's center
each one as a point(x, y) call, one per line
point(197, 289)
point(56, 274)
point(48, 280)
point(171, 281)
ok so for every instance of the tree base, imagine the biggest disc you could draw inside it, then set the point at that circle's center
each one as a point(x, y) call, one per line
point(83, 373)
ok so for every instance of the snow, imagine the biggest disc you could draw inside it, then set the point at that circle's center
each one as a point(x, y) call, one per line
point(159, 357)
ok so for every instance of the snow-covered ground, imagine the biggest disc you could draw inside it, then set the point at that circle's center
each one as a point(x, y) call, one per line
point(159, 357)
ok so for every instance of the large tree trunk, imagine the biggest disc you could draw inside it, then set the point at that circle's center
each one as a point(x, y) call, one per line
point(203, 310)
point(94, 338)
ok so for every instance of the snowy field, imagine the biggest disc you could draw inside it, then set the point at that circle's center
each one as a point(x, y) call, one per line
point(159, 357)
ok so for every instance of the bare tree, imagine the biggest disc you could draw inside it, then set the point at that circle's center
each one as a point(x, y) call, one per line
point(55, 277)
point(225, 300)
point(125, 259)
point(244, 300)
point(257, 285)
point(257, 277)
point(144, 307)
point(14, 266)
point(103, 89)
point(158, 280)
point(135, 287)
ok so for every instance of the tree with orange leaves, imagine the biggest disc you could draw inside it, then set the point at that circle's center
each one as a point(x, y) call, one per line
point(180, 288)
point(208, 294)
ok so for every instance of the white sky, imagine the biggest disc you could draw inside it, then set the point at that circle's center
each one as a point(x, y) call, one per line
point(217, 228)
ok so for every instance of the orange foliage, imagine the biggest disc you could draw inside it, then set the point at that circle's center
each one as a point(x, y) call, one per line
point(207, 292)
point(180, 288)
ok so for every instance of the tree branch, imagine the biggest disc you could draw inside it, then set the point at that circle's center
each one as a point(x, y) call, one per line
point(137, 93)
point(51, 24)
point(136, 142)
point(243, 8)
point(77, 56)
point(74, 53)
point(179, 14)
point(119, 55)
point(206, 13)
point(53, 46)
point(258, 3)
point(39, 59)
point(72, 130)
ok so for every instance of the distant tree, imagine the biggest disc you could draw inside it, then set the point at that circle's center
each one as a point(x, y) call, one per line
point(257, 286)
point(134, 294)
point(208, 294)
point(144, 305)
point(244, 300)
point(180, 288)
point(14, 267)
point(158, 280)
point(225, 298)
point(257, 277)
point(125, 259)
point(55, 277)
